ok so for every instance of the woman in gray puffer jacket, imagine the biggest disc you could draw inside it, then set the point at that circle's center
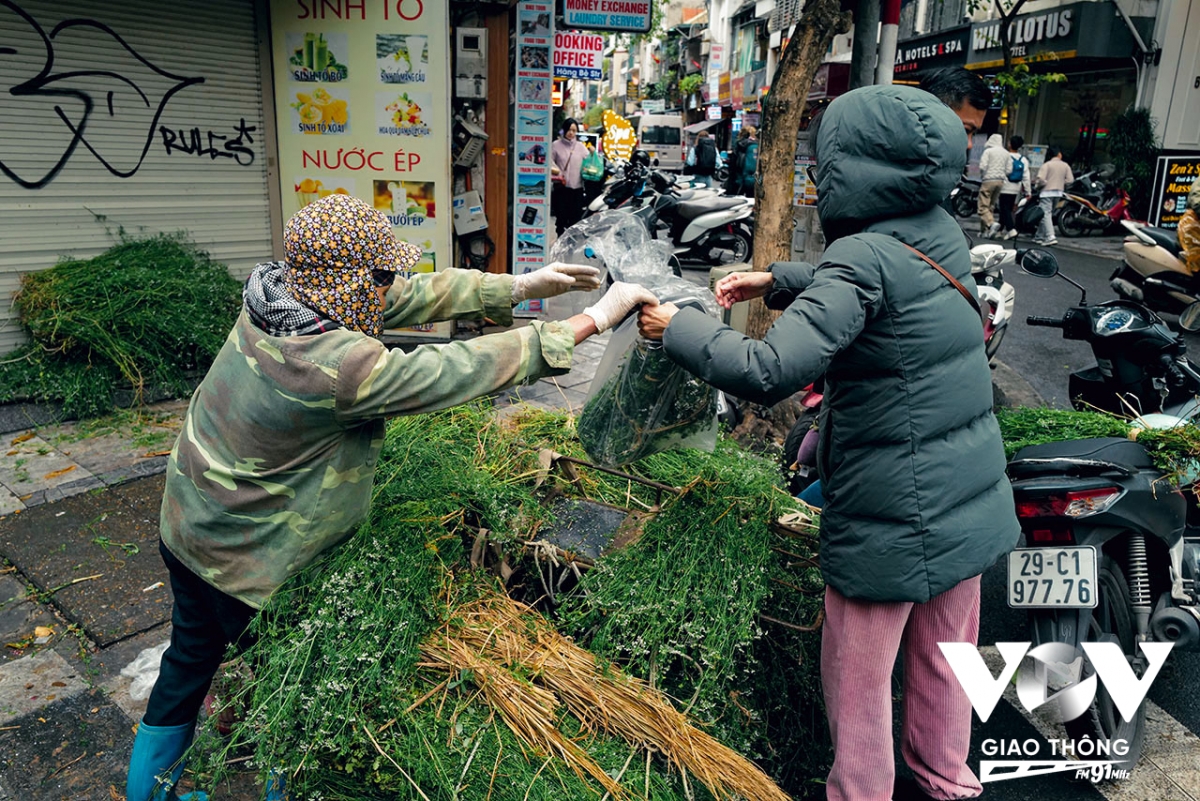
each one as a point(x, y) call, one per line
point(910, 456)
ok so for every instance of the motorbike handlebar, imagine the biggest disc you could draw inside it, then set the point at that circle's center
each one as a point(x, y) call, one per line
point(1049, 322)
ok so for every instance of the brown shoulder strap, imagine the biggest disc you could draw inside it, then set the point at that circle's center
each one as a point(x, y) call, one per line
point(966, 293)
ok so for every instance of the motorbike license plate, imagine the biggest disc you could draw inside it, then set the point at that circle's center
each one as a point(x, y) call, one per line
point(1052, 578)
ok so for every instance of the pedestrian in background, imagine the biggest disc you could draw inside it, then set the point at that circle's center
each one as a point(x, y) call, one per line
point(703, 159)
point(993, 169)
point(276, 460)
point(917, 504)
point(566, 166)
point(743, 164)
point(1053, 178)
point(1018, 183)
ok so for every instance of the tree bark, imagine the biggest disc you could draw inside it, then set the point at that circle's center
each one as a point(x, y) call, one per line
point(1010, 99)
point(782, 113)
point(783, 110)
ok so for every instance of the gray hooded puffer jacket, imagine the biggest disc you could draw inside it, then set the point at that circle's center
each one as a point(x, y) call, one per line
point(910, 456)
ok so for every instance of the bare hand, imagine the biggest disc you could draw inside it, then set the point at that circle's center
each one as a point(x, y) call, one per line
point(739, 287)
point(653, 320)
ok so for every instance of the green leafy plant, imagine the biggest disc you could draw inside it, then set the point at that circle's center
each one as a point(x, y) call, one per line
point(1134, 149)
point(147, 312)
point(691, 84)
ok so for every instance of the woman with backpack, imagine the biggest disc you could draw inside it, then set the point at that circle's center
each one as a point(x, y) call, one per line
point(703, 160)
point(743, 165)
point(1017, 183)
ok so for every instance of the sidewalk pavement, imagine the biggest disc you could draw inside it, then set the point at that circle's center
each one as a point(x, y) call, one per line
point(83, 590)
point(1104, 247)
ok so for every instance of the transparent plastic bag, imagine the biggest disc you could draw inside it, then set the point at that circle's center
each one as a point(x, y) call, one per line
point(601, 240)
point(640, 402)
point(143, 671)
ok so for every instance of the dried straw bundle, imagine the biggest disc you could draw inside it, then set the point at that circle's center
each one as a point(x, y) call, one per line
point(496, 634)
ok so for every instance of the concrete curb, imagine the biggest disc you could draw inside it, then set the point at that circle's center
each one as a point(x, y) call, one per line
point(1011, 390)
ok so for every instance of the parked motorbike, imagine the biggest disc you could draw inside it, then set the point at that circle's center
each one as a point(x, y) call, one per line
point(1108, 556)
point(996, 296)
point(1028, 213)
point(1079, 216)
point(1094, 185)
point(1152, 270)
point(709, 228)
point(964, 198)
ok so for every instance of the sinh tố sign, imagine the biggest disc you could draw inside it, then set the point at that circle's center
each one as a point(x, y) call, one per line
point(632, 16)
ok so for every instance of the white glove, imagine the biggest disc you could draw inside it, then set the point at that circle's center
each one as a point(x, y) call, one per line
point(553, 280)
point(617, 303)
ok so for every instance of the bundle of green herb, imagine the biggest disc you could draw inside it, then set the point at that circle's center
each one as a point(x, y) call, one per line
point(146, 312)
point(392, 670)
point(648, 405)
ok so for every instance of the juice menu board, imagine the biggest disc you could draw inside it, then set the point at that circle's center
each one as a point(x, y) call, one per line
point(533, 137)
point(362, 96)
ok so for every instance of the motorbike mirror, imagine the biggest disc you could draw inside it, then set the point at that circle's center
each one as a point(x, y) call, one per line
point(1189, 320)
point(655, 162)
point(1038, 262)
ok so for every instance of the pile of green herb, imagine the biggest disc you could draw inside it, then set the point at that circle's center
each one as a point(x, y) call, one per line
point(147, 312)
point(1175, 451)
point(650, 405)
point(349, 702)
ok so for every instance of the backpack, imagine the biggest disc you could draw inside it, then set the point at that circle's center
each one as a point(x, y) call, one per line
point(592, 168)
point(706, 157)
point(1018, 170)
point(750, 162)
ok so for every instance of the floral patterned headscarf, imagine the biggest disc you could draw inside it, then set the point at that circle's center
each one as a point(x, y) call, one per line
point(332, 247)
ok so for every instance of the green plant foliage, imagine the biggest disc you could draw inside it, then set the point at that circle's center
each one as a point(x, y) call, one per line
point(339, 648)
point(691, 84)
point(1134, 149)
point(146, 312)
point(1019, 83)
point(1175, 451)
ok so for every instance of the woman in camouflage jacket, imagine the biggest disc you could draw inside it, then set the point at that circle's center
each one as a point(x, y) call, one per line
point(276, 459)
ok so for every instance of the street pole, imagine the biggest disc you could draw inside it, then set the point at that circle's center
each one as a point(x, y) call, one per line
point(862, 52)
point(887, 42)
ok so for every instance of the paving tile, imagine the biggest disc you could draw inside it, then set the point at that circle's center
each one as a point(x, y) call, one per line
point(30, 683)
point(34, 466)
point(102, 534)
point(9, 502)
point(20, 615)
point(77, 748)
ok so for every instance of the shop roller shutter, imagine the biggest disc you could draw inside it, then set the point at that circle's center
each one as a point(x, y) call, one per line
point(115, 54)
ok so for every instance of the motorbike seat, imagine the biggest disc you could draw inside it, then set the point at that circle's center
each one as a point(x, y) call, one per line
point(690, 209)
point(1163, 238)
point(1031, 460)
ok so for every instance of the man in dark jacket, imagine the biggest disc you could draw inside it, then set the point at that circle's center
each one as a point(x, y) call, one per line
point(917, 505)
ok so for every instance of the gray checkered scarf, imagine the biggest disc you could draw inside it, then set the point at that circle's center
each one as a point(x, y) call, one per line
point(274, 309)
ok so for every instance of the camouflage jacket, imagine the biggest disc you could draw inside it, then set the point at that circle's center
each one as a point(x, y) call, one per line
point(278, 450)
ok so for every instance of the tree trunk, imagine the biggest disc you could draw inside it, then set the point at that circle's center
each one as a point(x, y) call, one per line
point(782, 112)
point(1010, 97)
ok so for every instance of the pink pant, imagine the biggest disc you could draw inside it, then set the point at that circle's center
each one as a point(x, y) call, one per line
point(859, 643)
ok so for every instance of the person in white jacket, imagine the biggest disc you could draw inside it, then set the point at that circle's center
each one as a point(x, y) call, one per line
point(993, 170)
point(1017, 183)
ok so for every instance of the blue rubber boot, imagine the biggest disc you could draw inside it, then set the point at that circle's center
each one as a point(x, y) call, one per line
point(157, 753)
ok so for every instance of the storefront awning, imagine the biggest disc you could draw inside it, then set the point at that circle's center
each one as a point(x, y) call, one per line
point(700, 126)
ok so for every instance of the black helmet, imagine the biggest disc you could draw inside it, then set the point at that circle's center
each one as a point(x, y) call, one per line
point(640, 157)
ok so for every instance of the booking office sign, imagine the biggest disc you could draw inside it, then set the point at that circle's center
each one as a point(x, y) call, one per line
point(1051, 682)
